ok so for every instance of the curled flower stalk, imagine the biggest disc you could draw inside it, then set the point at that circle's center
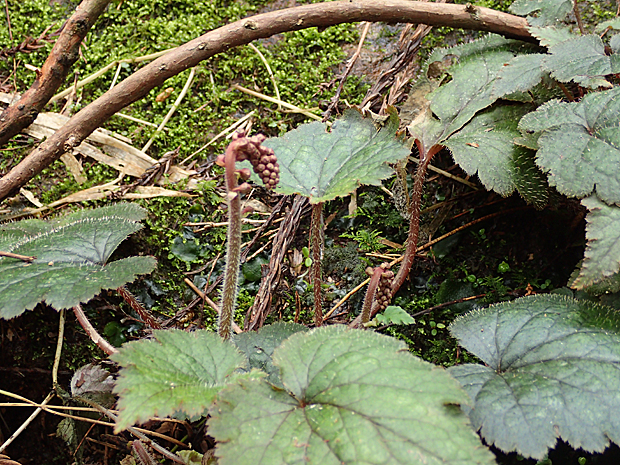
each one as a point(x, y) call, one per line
point(265, 164)
point(379, 290)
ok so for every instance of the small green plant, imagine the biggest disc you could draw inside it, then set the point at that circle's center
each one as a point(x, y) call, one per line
point(368, 240)
point(185, 374)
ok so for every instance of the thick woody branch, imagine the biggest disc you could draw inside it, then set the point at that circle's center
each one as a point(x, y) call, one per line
point(53, 72)
point(242, 32)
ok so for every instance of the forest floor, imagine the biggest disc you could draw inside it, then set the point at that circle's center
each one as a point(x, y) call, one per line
point(495, 248)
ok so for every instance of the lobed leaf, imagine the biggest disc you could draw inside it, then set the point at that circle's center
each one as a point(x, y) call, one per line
point(521, 73)
point(174, 373)
point(552, 371)
point(485, 147)
point(579, 144)
point(551, 35)
point(612, 24)
point(473, 77)
point(583, 60)
point(546, 12)
point(394, 314)
point(602, 255)
point(350, 397)
point(324, 165)
point(71, 255)
point(454, 106)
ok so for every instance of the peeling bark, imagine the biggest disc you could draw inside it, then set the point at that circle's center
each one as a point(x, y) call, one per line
point(54, 71)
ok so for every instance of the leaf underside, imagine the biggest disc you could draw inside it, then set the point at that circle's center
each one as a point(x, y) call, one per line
point(349, 397)
point(71, 258)
point(177, 373)
point(552, 370)
point(325, 165)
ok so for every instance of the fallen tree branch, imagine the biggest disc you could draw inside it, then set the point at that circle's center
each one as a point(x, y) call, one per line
point(54, 71)
point(243, 32)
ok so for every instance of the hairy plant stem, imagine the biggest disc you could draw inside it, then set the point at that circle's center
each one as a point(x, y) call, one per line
point(233, 247)
point(92, 332)
point(414, 225)
point(61, 337)
point(414, 222)
point(370, 294)
point(316, 246)
point(137, 307)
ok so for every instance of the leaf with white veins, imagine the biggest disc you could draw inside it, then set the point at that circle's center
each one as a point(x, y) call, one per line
point(552, 370)
point(71, 258)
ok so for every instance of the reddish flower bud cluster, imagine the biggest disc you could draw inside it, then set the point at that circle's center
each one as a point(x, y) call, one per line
point(263, 159)
point(383, 295)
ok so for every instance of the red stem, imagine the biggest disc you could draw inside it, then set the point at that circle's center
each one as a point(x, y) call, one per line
point(92, 332)
point(414, 222)
point(370, 293)
point(414, 225)
point(316, 244)
point(142, 312)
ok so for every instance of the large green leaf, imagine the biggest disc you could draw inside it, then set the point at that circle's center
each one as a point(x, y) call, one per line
point(71, 255)
point(473, 77)
point(258, 346)
point(602, 256)
point(583, 60)
point(175, 373)
point(324, 165)
point(485, 146)
point(451, 107)
point(350, 397)
point(542, 12)
point(552, 369)
point(579, 144)
point(551, 35)
point(522, 73)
